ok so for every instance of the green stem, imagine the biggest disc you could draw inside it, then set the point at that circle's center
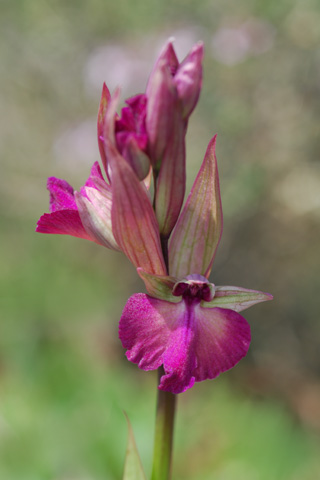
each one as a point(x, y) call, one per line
point(163, 440)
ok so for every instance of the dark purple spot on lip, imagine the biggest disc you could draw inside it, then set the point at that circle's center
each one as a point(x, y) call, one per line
point(194, 290)
point(207, 293)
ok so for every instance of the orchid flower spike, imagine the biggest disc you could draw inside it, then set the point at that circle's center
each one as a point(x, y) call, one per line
point(185, 323)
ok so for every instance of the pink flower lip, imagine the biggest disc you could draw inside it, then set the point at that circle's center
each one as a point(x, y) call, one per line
point(191, 342)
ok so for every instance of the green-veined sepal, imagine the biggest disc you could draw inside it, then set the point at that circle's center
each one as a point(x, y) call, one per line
point(159, 286)
point(236, 298)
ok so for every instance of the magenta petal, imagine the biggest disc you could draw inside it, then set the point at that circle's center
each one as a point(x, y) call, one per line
point(222, 340)
point(157, 332)
point(144, 331)
point(203, 344)
point(63, 222)
point(95, 174)
point(61, 195)
point(64, 218)
point(179, 360)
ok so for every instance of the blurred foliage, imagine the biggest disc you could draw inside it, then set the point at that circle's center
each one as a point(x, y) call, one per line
point(64, 381)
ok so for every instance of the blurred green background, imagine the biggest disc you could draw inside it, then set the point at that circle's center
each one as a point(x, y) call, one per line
point(64, 380)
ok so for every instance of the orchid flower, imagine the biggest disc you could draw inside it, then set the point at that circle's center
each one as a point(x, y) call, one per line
point(185, 323)
point(85, 214)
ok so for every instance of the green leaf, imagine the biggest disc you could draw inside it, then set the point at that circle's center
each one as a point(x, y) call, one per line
point(133, 469)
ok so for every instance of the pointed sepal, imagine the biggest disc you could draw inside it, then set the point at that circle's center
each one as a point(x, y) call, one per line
point(236, 298)
point(171, 181)
point(105, 98)
point(133, 469)
point(161, 103)
point(197, 233)
point(159, 286)
point(169, 57)
point(134, 224)
point(106, 131)
point(188, 79)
